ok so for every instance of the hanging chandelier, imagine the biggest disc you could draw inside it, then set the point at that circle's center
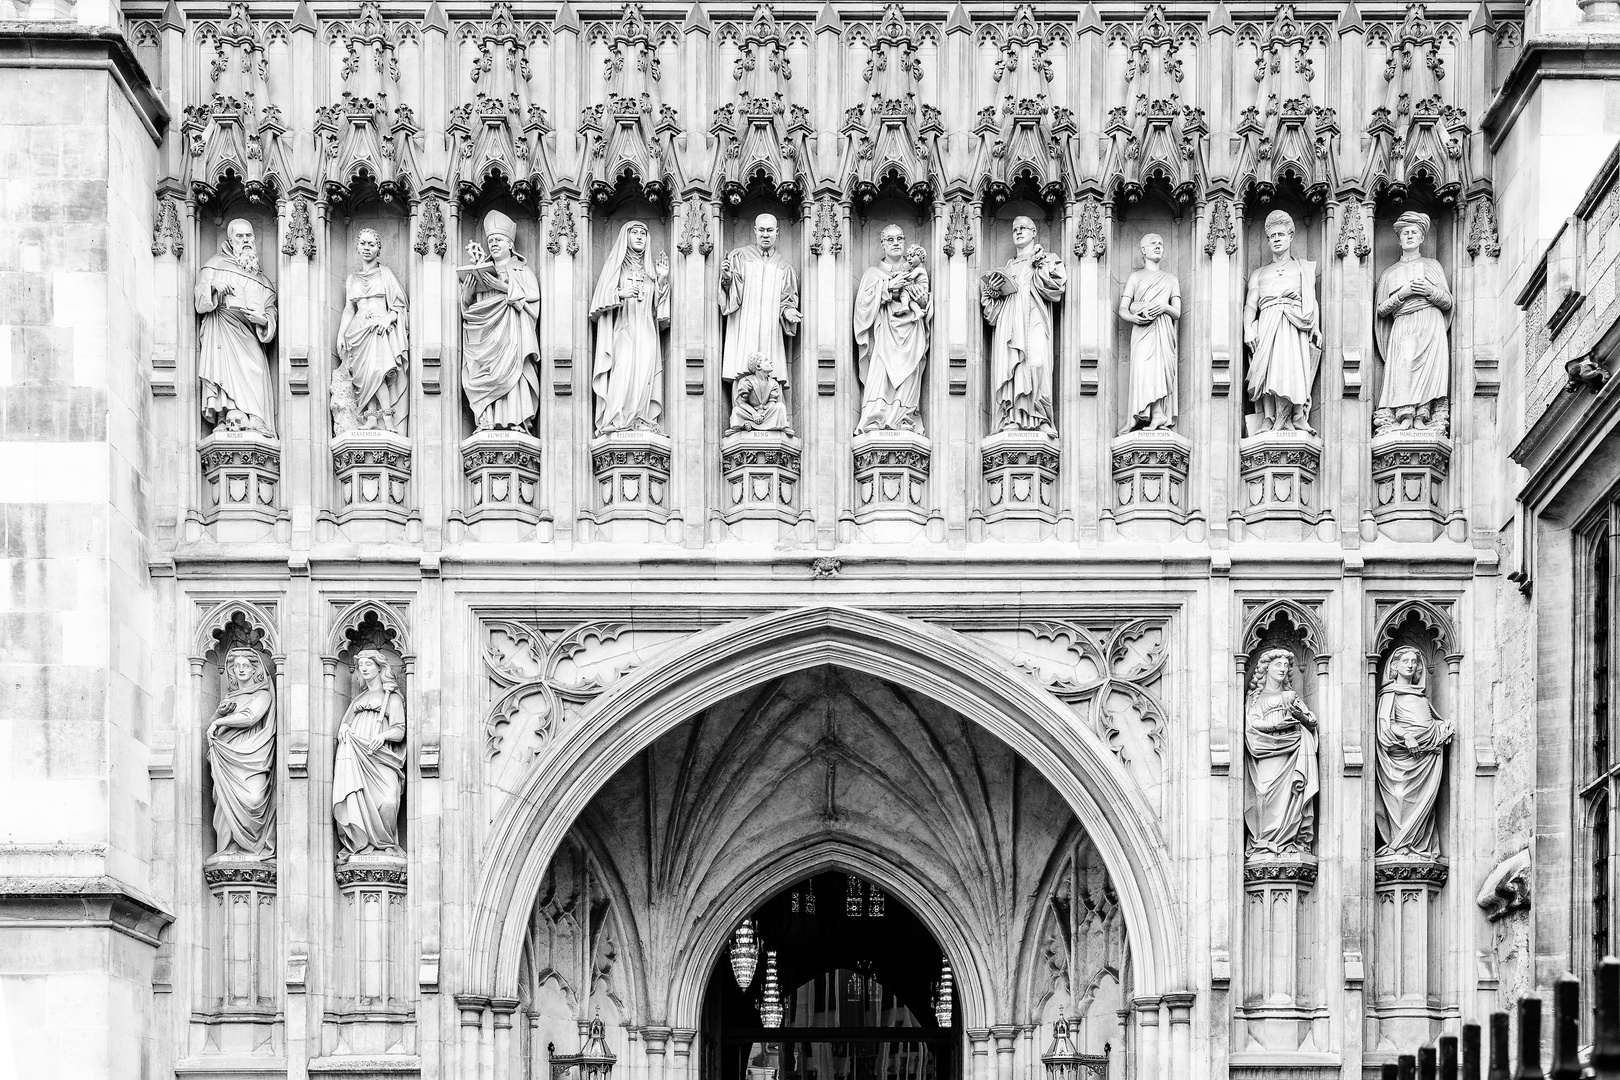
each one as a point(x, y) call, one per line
point(944, 995)
point(770, 994)
point(744, 953)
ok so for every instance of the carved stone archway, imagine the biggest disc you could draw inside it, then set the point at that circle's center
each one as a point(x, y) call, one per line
point(937, 663)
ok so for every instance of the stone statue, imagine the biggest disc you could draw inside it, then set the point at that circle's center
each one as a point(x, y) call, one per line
point(368, 773)
point(1282, 328)
point(892, 308)
point(241, 757)
point(1280, 739)
point(238, 308)
point(629, 306)
point(1414, 307)
point(756, 400)
point(1017, 301)
point(500, 353)
point(759, 297)
point(1411, 757)
point(1151, 304)
point(369, 388)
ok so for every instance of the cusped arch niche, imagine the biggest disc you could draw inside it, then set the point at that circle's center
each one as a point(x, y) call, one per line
point(925, 662)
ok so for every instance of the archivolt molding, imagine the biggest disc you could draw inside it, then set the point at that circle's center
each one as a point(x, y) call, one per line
point(1434, 614)
point(231, 622)
point(1303, 615)
point(926, 660)
point(388, 617)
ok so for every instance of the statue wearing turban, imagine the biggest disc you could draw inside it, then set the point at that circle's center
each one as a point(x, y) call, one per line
point(500, 352)
point(1282, 328)
point(1414, 307)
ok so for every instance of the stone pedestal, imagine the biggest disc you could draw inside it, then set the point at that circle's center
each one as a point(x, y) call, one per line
point(241, 472)
point(503, 475)
point(1407, 953)
point(632, 476)
point(373, 473)
point(1408, 470)
point(1150, 476)
point(761, 469)
point(244, 963)
point(1020, 483)
point(1279, 480)
point(1278, 950)
point(891, 480)
point(374, 953)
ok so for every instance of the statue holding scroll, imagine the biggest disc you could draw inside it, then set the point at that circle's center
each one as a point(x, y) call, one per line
point(238, 308)
point(500, 353)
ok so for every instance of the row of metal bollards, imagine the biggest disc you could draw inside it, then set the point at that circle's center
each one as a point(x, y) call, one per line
point(1442, 1062)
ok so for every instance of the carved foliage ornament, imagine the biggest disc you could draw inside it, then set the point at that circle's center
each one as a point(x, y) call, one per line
point(695, 229)
point(1221, 233)
point(300, 232)
point(1352, 233)
point(167, 238)
point(563, 233)
point(959, 228)
point(430, 237)
point(1090, 234)
point(1482, 237)
point(827, 238)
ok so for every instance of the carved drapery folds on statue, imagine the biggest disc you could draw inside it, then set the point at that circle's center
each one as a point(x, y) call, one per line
point(368, 775)
point(1018, 302)
point(370, 388)
point(630, 307)
point(500, 301)
point(1280, 760)
point(1151, 304)
point(757, 402)
point(759, 297)
point(241, 739)
point(1282, 328)
point(1414, 311)
point(238, 308)
point(1410, 743)
point(893, 306)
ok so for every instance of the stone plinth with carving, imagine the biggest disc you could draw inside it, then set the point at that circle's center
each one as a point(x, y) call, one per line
point(632, 475)
point(1408, 950)
point(891, 477)
point(1150, 476)
point(373, 470)
point(762, 476)
point(243, 968)
point(1279, 476)
point(1020, 482)
point(503, 475)
point(1409, 468)
point(1277, 990)
point(241, 471)
point(375, 949)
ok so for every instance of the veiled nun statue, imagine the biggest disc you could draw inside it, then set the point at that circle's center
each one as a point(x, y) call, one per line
point(630, 306)
point(1411, 757)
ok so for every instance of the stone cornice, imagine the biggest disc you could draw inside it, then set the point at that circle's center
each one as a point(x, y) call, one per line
point(64, 45)
point(28, 902)
point(1557, 56)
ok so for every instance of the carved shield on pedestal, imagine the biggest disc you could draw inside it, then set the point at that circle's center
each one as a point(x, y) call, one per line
point(500, 488)
point(370, 487)
point(236, 488)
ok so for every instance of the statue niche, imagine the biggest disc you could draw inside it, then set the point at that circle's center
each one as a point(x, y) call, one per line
point(1280, 760)
point(241, 742)
point(368, 774)
point(1410, 753)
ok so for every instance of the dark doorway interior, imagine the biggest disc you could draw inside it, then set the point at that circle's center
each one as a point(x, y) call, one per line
point(860, 986)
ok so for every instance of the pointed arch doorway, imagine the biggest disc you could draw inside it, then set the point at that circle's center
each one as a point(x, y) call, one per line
point(831, 979)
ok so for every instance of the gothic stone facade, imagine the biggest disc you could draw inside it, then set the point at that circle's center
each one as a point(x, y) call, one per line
point(626, 684)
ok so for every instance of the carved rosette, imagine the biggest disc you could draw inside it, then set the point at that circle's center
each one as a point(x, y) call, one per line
point(1020, 477)
point(891, 476)
point(762, 476)
point(1409, 469)
point(503, 475)
point(1150, 475)
point(632, 475)
point(241, 471)
point(373, 471)
point(1279, 471)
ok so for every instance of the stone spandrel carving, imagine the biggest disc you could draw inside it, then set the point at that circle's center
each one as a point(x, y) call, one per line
point(1017, 301)
point(757, 401)
point(630, 306)
point(1151, 304)
point(759, 297)
point(893, 306)
point(1410, 747)
point(368, 772)
point(1414, 310)
point(1282, 328)
point(370, 388)
point(500, 301)
point(237, 304)
point(1279, 734)
point(241, 757)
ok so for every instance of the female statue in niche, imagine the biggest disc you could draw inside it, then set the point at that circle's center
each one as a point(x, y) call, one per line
point(630, 306)
point(369, 390)
point(1279, 733)
point(500, 354)
point(1282, 328)
point(1410, 753)
point(1414, 307)
point(1017, 301)
point(1151, 304)
point(241, 757)
point(368, 773)
point(892, 308)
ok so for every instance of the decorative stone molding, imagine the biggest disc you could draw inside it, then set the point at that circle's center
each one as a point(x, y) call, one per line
point(1483, 241)
point(1020, 476)
point(1220, 234)
point(298, 238)
point(891, 476)
point(1288, 136)
point(695, 235)
point(370, 870)
point(1279, 470)
point(1389, 870)
point(632, 475)
point(894, 135)
point(1409, 469)
point(430, 234)
point(167, 238)
point(220, 871)
point(373, 473)
point(241, 470)
point(959, 228)
point(761, 470)
point(1352, 232)
point(1150, 475)
point(1280, 870)
point(1154, 136)
point(503, 471)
